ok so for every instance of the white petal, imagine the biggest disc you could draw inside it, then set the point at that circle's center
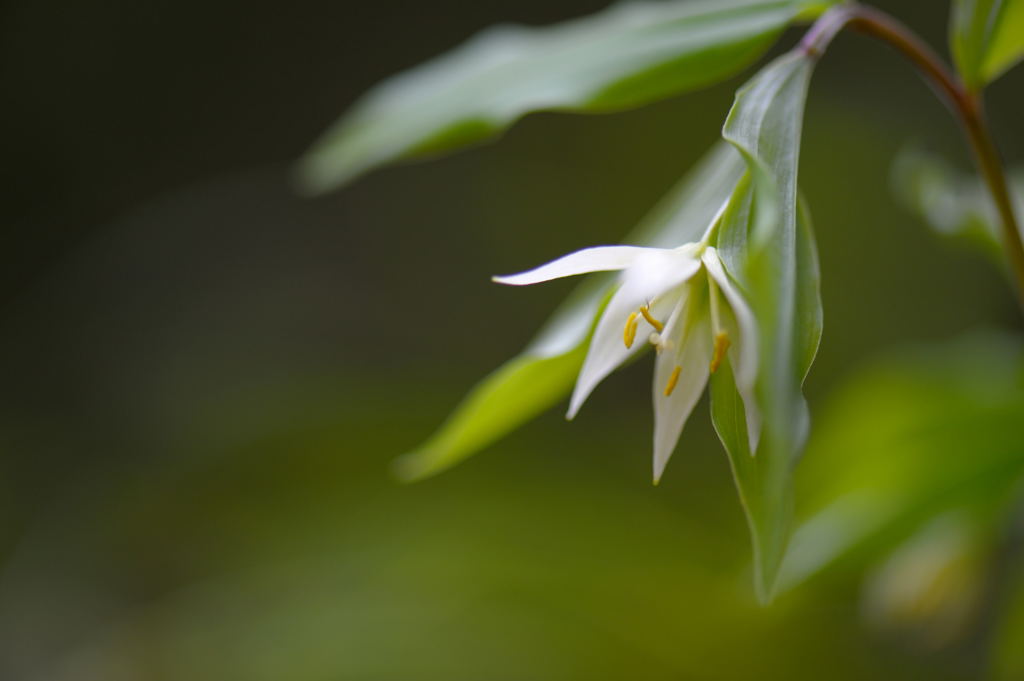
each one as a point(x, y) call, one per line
point(608, 348)
point(743, 352)
point(597, 259)
point(692, 354)
point(656, 278)
point(658, 270)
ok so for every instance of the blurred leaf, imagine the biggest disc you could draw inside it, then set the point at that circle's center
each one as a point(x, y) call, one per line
point(931, 587)
point(767, 245)
point(911, 437)
point(1007, 47)
point(954, 204)
point(623, 57)
point(1009, 642)
point(987, 38)
point(546, 370)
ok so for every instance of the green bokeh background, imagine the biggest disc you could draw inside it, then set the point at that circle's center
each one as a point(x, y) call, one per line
point(206, 376)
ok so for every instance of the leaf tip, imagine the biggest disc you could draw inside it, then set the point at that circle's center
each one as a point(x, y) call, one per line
point(312, 175)
point(413, 466)
point(765, 586)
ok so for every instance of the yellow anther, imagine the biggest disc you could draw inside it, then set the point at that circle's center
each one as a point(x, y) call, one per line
point(646, 312)
point(722, 344)
point(629, 333)
point(672, 380)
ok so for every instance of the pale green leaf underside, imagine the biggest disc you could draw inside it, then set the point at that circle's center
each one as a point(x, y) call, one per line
point(545, 372)
point(767, 244)
point(625, 56)
point(915, 435)
point(987, 38)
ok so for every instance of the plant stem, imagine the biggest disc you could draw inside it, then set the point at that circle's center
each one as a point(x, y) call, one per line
point(966, 105)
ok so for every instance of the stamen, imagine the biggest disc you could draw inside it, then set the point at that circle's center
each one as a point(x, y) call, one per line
point(672, 380)
point(646, 312)
point(629, 333)
point(722, 344)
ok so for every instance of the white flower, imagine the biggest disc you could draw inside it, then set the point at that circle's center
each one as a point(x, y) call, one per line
point(681, 301)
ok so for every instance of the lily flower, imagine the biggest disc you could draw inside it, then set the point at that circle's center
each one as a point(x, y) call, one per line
point(682, 302)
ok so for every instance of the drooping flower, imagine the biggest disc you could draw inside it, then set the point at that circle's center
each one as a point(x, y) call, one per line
point(682, 302)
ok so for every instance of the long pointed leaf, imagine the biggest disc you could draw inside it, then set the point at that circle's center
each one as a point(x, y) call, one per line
point(625, 56)
point(767, 245)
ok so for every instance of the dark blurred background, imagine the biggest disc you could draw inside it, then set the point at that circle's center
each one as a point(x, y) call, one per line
point(205, 376)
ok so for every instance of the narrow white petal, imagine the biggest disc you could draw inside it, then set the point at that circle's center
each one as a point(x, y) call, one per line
point(657, 277)
point(607, 347)
point(596, 259)
point(743, 352)
point(691, 334)
point(658, 270)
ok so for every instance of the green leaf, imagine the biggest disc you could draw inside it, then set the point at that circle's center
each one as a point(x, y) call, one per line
point(1007, 46)
point(625, 56)
point(518, 391)
point(954, 204)
point(766, 242)
point(987, 38)
point(918, 434)
point(546, 371)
